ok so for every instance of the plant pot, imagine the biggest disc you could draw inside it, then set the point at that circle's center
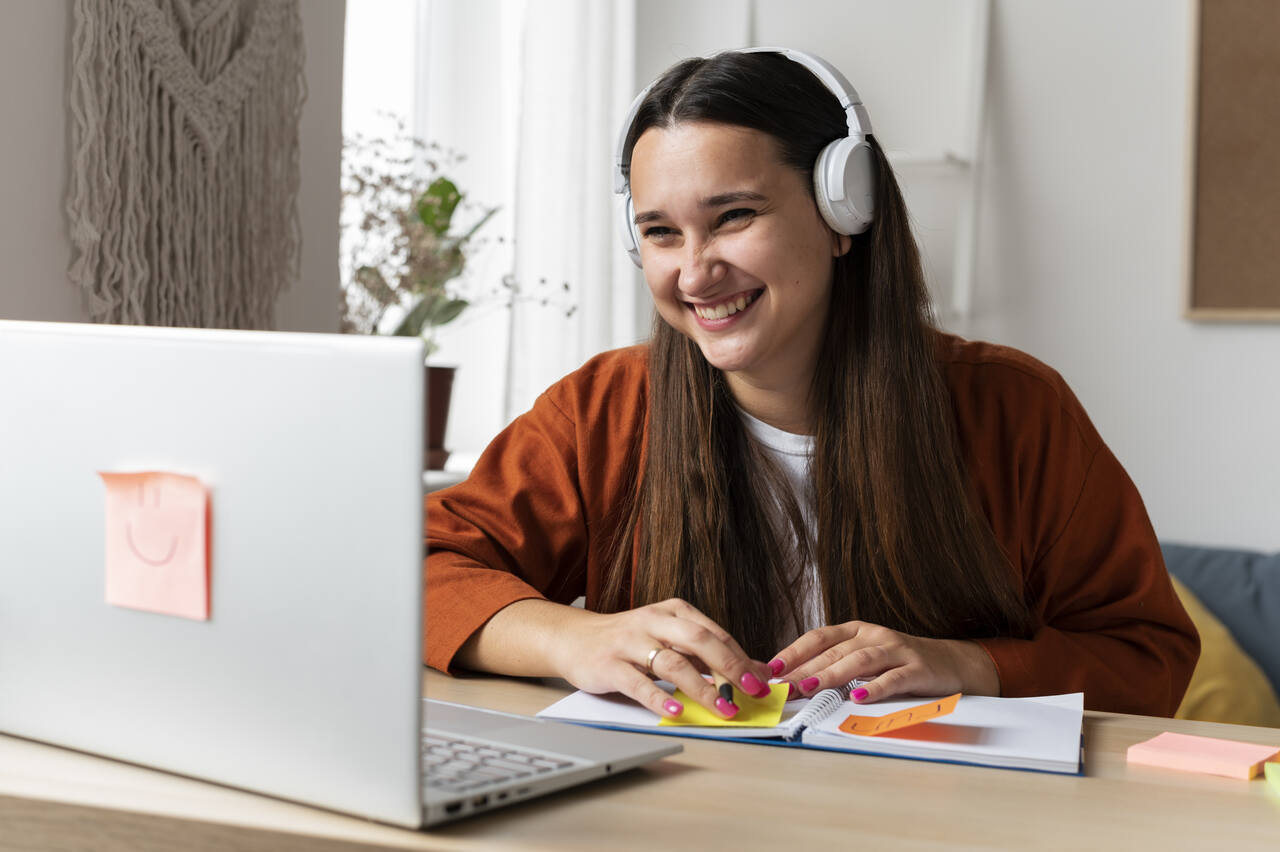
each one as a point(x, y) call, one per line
point(439, 390)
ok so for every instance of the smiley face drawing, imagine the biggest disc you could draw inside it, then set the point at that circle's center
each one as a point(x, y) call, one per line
point(152, 521)
point(157, 546)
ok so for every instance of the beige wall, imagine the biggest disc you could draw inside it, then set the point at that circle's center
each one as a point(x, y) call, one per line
point(34, 243)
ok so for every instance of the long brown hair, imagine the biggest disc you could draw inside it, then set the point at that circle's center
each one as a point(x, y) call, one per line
point(899, 540)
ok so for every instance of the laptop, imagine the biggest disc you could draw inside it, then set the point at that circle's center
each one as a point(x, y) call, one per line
point(211, 564)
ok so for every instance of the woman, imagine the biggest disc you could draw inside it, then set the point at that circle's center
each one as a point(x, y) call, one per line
point(798, 476)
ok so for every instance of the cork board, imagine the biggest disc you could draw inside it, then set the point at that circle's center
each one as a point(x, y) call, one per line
point(1235, 263)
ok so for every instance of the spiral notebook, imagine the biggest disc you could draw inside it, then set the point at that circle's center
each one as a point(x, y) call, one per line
point(1041, 733)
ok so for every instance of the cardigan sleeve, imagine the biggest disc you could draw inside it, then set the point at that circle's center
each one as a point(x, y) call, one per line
point(514, 529)
point(539, 515)
point(1107, 620)
point(1111, 625)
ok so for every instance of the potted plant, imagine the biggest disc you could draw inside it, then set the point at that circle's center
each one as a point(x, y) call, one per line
point(406, 254)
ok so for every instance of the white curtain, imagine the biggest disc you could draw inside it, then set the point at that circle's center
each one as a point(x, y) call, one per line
point(576, 81)
point(532, 93)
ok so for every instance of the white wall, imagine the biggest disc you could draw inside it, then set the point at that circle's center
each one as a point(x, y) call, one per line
point(1082, 260)
point(1081, 252)
point(35, 43)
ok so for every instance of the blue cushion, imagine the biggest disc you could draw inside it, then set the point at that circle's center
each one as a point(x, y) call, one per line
point(1241, 588)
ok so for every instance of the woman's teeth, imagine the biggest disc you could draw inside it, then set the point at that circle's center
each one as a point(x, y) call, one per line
point(724, 309)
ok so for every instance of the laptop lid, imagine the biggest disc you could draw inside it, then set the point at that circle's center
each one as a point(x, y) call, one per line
point(305, 680)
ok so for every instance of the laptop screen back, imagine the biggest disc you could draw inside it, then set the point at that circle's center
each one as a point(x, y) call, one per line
point(304, 682)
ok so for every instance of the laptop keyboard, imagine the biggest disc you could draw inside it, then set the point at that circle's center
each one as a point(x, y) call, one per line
point(457, 765)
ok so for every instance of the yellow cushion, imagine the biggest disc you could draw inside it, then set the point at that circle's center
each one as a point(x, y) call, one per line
point(1227, 685)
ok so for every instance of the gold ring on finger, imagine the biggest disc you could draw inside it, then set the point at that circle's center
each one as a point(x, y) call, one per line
point(648, 663)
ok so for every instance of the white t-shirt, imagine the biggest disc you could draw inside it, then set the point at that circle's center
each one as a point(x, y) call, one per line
point(793, 453)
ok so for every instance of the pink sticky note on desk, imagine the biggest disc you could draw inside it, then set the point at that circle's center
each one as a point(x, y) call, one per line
point(1203, 754)
point(157, 546)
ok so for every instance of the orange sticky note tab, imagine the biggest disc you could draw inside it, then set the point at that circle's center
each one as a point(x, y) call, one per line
point(1203, 754)
point(870, 726)
point(157, 543)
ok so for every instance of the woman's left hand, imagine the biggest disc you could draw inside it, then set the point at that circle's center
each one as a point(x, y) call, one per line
point(896, 664)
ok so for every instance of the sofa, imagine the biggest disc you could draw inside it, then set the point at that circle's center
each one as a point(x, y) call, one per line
point(1233, 596)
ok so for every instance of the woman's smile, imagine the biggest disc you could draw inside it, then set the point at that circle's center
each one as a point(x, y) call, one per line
point(714, 316)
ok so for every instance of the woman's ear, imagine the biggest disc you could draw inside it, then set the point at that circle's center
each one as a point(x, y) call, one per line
point(841, 244)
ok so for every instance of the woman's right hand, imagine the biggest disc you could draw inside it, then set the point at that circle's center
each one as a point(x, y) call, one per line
point(610, 652)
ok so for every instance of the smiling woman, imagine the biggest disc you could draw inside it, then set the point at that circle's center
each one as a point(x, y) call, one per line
point(799, 467)
point(744, 273)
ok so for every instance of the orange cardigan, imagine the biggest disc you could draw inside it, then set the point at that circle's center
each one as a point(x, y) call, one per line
point(535, 517)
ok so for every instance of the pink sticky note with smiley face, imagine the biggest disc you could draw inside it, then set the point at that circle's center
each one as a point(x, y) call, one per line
point(157, 549)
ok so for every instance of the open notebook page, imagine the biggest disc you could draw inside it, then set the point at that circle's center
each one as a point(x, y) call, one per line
point(1016, 732)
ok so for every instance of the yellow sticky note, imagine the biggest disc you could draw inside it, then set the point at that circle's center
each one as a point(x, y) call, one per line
point(157, 543)
point(752, 712)
point(1202, 754)
point(871, 726)
point(1272, 770)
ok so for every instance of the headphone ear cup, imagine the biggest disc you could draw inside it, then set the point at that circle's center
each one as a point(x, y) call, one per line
point(627, 227)
point(844, 185)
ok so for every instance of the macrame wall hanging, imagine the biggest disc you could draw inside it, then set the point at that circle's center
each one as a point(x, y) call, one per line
point(185, 168)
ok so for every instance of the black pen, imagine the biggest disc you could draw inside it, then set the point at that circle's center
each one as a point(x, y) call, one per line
point(724, 687)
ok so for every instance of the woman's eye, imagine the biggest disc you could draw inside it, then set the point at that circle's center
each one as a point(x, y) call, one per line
point(657, 232)
point(736, 215)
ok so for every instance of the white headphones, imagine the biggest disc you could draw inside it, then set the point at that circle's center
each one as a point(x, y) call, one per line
point(843, 176)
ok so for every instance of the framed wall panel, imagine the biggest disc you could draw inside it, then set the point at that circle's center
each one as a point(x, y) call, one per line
point(1234, 269)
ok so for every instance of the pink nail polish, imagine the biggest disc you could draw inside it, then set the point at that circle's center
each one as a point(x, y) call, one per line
point(809, 684)
point(859, 694)
point(777, 667)
point(792, 691)
point(752, 685)
point(728, 708)
point(673, 707)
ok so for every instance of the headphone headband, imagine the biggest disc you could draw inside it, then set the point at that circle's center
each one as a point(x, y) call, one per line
point(856, 117)
point(855, 113)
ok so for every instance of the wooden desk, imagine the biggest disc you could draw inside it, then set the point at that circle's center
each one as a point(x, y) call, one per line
point(713, 795)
